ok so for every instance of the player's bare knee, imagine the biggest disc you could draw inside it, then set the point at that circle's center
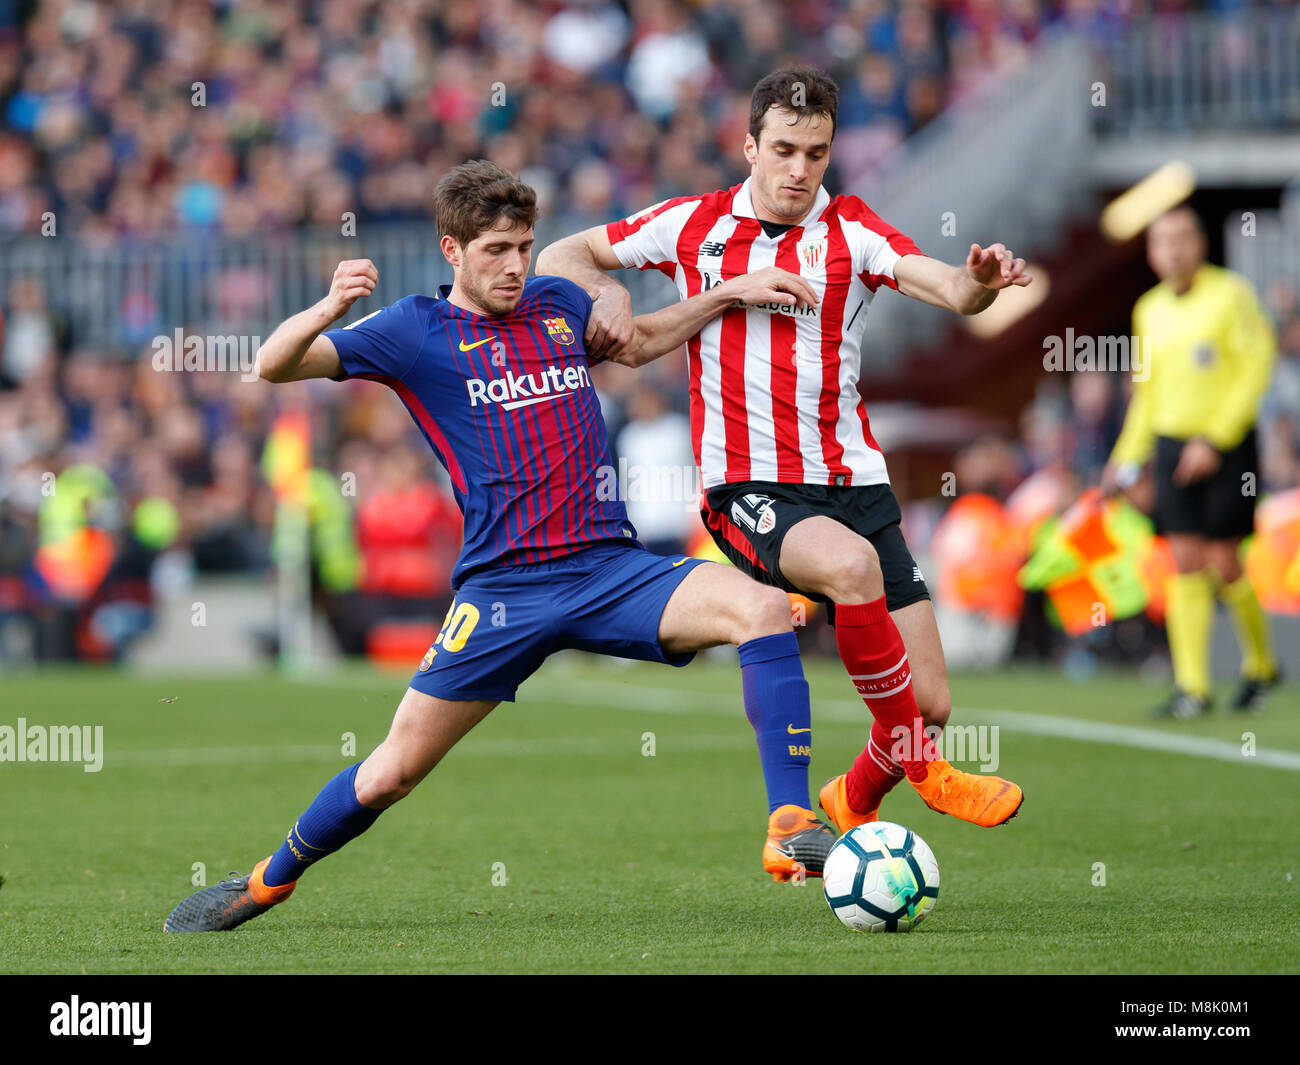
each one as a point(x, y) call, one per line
point(1225, 560)
point(384, 786)
point(765, 612)
point(1189, 554)
point(856, 577)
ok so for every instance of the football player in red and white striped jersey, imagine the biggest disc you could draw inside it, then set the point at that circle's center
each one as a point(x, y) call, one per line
point(795, 488)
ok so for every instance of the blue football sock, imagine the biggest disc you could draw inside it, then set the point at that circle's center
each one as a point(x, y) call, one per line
point(333, 818)
point(776, 703)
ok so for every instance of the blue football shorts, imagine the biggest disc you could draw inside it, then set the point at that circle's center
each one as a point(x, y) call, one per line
point(505, 620)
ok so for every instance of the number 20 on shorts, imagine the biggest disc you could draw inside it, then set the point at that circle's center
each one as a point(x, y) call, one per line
point(457, 626)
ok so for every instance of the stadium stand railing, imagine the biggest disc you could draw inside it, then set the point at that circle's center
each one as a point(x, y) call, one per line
point(117, 297)
point(1003, 165)
point(1203, 72)
point(1266, 247)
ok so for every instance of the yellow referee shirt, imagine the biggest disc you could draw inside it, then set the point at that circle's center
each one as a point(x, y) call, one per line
point(1211, 352)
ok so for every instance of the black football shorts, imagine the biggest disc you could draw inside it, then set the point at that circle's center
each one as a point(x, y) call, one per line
point(749, 522)
point(1220, 507)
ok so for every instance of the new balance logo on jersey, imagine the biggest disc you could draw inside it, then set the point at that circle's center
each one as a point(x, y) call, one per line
point(711, 249)
point(916, 574)
point(522, 390)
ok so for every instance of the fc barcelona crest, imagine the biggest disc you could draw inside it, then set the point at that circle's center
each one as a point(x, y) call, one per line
point(559, 330)
point(813, 253)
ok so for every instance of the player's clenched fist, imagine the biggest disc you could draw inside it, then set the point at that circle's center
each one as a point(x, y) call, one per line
point(353, 279)
point(609, 328)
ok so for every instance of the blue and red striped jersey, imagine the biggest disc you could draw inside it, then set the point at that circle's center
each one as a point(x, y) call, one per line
point(508, 407)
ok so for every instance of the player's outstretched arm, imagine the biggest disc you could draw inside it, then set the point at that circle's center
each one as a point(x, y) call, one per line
point(966, 289)
point(296, 350)
point(583, 258)
point(663, 331)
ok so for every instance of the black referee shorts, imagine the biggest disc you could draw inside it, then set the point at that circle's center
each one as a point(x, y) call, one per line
point(749, 521)
point(1220, 507)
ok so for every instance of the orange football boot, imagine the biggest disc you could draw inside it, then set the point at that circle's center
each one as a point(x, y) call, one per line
point(834, 799)
point(981, 800)
point(797, 843)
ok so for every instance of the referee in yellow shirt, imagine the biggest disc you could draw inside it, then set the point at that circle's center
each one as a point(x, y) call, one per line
point(1211, 354)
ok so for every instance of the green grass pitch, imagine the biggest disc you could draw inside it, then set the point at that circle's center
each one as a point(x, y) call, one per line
point(549, 841)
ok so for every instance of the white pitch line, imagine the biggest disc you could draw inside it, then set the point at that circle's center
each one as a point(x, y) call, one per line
point(1144, 738)
point(643, 699)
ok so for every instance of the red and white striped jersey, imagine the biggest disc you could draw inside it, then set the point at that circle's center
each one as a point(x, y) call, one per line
point(774, 390)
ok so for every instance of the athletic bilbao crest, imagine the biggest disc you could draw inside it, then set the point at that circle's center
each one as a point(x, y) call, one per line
point(754, 512)
point(559, 330)
point(813, 253)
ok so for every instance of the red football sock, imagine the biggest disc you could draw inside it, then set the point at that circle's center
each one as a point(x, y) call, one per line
point(872, 651)
point(874, 773)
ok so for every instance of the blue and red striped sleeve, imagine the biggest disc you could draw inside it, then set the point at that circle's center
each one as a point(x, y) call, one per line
point(383, 344)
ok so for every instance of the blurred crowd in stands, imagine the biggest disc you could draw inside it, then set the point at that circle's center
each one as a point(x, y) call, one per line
point(138, 117)
point(138, 120)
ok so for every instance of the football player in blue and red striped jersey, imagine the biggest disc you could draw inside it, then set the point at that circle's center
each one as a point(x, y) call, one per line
point(495, 374)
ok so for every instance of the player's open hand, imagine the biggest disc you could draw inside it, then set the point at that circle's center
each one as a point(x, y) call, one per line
point(772, 285)
point(610, 328)
point(353, 279)
point(995, 267)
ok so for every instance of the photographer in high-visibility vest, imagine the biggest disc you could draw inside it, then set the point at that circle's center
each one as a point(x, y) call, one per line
point(1211, 351)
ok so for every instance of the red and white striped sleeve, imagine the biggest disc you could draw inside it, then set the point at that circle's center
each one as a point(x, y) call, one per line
point(648, 239)
point(876, 246)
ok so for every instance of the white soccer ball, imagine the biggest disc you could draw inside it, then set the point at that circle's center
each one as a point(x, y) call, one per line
point(881, 877)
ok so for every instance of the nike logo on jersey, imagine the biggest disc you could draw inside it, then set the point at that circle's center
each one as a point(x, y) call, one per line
point(795, 731)
point(477, 344)
point(523, 390)
point(679, 562)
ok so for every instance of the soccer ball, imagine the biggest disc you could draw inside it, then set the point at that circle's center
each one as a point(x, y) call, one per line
point(881, 877)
